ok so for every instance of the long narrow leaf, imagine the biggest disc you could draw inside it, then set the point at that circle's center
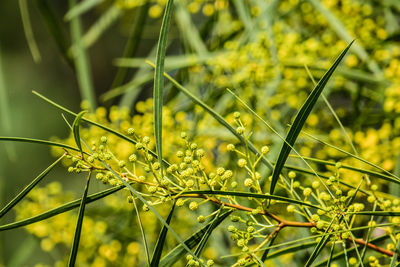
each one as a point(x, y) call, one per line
point(75, 128)
point(77, 236)
point(81, 8)
point(301, 118)
point(28, 188)
point(178, 252)
point(132, 43)
point(207, 235)
point(61, 209)
point(395, 255)
point(146, 247)
point(246, 194)
point(36, 141)
point(155, 260)
point(5, 111)
point(81, 61)
point(159, 80)
point(56, 30)
point(124, 137)
point(30, 38)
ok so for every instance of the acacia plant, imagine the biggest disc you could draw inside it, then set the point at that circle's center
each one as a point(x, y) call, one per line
point(211, 178)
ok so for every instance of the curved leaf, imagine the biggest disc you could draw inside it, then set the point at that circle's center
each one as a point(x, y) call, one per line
point(27, 189)
point(301, 118)
point(155, 260)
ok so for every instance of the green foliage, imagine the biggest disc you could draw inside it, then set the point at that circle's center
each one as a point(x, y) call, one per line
point(194, 153)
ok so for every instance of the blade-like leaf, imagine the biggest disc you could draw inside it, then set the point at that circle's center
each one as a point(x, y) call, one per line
point(37, 141)
point(155, 260)
point(81, 61)
point(159, 80)
point(81, 8)
point(290, 249)
point(301, 118)
point(77, 236)
point(133, 42)
point(61, 209)
point(146, 247)
point(178, 252)
point(264, 256)
point(207, 235)
point(247, 194)
point(126, 138)
point(321, 244)
point(54, 25)
point(396, 256)
point(30, 38)
point(5, 111)
point(75, 129)
point(27, 189)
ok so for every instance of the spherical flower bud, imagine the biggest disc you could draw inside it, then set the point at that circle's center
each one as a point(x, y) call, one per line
point(103, 139)
point(315, 184)
point(227, 175)
point(242, 163)
point(351, 193)
point(210, 263)
point(345, 235)
point(121, 164)
point(71, 169)
point(131, 131)
point(236, 115)
point(156, 165)
point(146, 140)
point(201, 219)
point(235, 218)
point(234, 184)
point(315, 217)
point(250, 229)
point(179, 154)
point(231, 228)
point(245, 249)
point(190, 183)
point(240, 130)
point(241, 242)
point(371, 199)
point(183, 135)
point(257, 175)
point(193, 205)
point(353, 261)
point(193, 146)
point(200, 153)
point(307, 191)
point(339, 192)
point(132, 158)
point(180, 202)
point(152, 189)
point(220, 171)
point(374, 187)
point(139, 145)
point(265, 150)
point(90, 159)
point(230, 147)
point(296, 184)
point(248, 182)
point(99, 176)
point(338, 165)
point(320, 224)
point(188, 160)
point(290, 208)
point(130, 199)
point(292, 175)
